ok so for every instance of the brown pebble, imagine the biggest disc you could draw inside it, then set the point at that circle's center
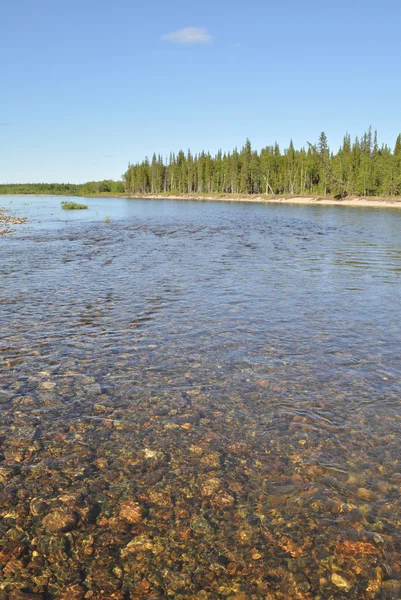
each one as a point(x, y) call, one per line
point(222, 501)
point(211, 460)
point(340, 581)
point(392, 586)
point(38, 506)
point(59, 520)
point(131, 512)
point(364, 494)
point(210, 486)
point(101, 463)
point(74, 592)
point(48, 385)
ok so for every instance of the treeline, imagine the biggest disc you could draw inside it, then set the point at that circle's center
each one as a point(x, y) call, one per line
point(65, 189)
point(361, 167)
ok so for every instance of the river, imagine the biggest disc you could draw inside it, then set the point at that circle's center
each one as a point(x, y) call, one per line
point(200, 400)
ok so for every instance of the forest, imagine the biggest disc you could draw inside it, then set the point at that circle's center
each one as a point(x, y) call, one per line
point(361, 167)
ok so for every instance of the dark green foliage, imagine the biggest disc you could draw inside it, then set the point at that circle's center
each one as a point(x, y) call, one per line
point(359, 168)
point(73, 206)
point(52, 189)
point(91, 188)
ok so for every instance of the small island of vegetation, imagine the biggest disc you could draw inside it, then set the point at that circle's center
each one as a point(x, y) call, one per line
point(73, 206)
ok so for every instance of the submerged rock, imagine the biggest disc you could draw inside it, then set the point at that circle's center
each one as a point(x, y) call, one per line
point(38, 506)
point(340, 581)
point(131, 512)
point(60, 521)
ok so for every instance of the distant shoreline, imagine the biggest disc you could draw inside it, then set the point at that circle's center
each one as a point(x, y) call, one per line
point(354, 201)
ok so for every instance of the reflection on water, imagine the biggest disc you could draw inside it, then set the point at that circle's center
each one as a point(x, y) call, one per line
point(200, 400)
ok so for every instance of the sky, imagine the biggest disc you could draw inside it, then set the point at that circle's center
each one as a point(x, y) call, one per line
point(88, 86)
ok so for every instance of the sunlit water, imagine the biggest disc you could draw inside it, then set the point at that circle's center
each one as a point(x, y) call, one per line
point(210, 391)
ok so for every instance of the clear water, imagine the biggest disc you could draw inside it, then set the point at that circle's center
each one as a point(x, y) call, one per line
point(230, 371)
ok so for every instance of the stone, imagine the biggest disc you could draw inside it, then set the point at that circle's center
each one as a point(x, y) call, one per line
point(340, 581)
point(38, 506)
point(131, 512)
point(60, 521)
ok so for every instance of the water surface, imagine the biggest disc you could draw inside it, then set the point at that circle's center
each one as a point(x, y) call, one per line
point(200, 400)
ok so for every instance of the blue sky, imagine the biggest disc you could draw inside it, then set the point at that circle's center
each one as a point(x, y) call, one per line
point(89, 85)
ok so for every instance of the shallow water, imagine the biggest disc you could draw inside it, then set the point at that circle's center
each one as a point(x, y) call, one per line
point(200, 400)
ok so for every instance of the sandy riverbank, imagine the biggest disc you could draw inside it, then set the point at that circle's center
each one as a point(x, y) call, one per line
point(356, 201)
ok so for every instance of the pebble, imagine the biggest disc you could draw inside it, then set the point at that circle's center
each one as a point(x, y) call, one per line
point(37, 506)
point(340, 582)
point(60, 521)
point(48, 385)
point(131, 512)
point(210, 487)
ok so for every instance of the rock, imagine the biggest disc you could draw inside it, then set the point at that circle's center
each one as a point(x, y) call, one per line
point(5, 474)
point(210, 486)
point(300, 583)
point(350, 548)
point(222, 501)
point(364, 494)
point(5, 397)
point(60, 520)
point(211, 460)
point(101, 463)
point(293, 547)
point(140, 543)
point(102, 408)
point(392, 586)
point(201, 525)
point(74, 592)
point(340, 581)
point(150, 454)
point(131, 512)
point(38, 506)
point(48, 385)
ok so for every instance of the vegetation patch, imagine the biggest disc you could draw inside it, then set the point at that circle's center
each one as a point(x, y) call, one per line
point(73, 206)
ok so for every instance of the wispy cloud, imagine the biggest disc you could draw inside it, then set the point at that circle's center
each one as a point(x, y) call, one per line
point(4, 124)
point(189, 35)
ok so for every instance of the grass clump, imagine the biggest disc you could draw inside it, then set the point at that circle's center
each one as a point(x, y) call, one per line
point(72, 206)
